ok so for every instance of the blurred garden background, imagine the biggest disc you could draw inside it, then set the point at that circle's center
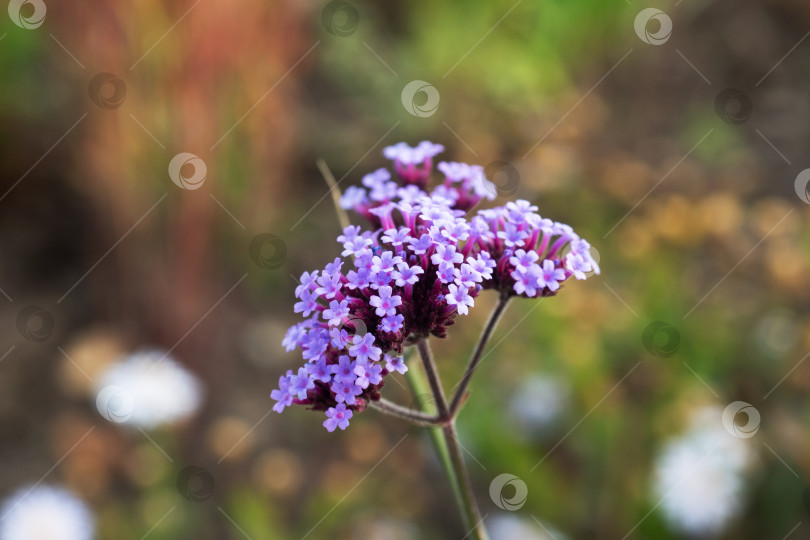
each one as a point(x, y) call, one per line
point(677, 152)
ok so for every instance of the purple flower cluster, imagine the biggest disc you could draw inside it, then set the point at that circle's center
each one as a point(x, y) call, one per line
point(420, 264)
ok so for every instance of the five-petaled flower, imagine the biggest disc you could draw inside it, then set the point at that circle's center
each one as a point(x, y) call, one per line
point(338, 417)
point(385, 303)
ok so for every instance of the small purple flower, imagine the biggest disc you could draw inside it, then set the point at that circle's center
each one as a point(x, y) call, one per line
point(481, 267)
point(458, 296)
point(307, 282)
point(336, 311)
point(465, 276)
point(363, 258)
point(300, 383)
point(340, 338)
point(457, 231)
point(527, 282)
point(355, 246)
point(333, 267)
point(319, 371)
point(429, 149)
point(512, 236)
point(420, 245)
point(396, 363)
point(519, 210)
point(295, 335)
point(374, 373)
point(583, 249)
point(479, 228)
point(392, 323)
point(384, 192)
point(344, 369)
point(385, 262)
point(359, 279)
point(446, 254)
point(349, 233)
point(346, 391)
point(329, 285)
point(376, 178)
point(282, 395)
point(447, 194)
point(560, 229)
point(482, 187)
point(446, 273)
point(363, 348)
point(315, 344)
point(550, 276)
point(522, 260)
point(337, 417)
point(435, 213)
point(406, 274)
point(577, 265)
point(308, 303)
point(353, 196)
point(487, 258)
point(410, 193)
point(406, 155)
point(396, 237)
point(380, 279)
point(454, 171)
point(360, 372)
point(367, 374)
point(385, 303)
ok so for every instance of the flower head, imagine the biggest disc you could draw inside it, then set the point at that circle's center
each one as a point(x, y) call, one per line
point(419, 264)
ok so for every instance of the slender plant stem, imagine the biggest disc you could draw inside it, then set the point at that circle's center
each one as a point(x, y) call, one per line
point(419, 387)
point(475, 522)
point(464, 495)
point(495, 316)
point(335, 191)
point(433, 377)
point(417, 417)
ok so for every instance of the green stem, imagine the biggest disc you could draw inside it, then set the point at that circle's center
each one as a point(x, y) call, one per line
point(478, 354)
point(465, 498)
point(433, 377)
point(418, 383)
point(467, 503)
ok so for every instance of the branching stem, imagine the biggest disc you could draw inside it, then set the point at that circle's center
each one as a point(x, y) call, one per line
point(495, 316)
point(417, 417)
point(444, 421)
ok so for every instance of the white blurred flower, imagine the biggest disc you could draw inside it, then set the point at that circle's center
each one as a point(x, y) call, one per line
point(776, 332)
point(148, 389)
point(385, 528)
point(512, 527)
point(539, 402)
point(45, 513)
point(699, 476)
